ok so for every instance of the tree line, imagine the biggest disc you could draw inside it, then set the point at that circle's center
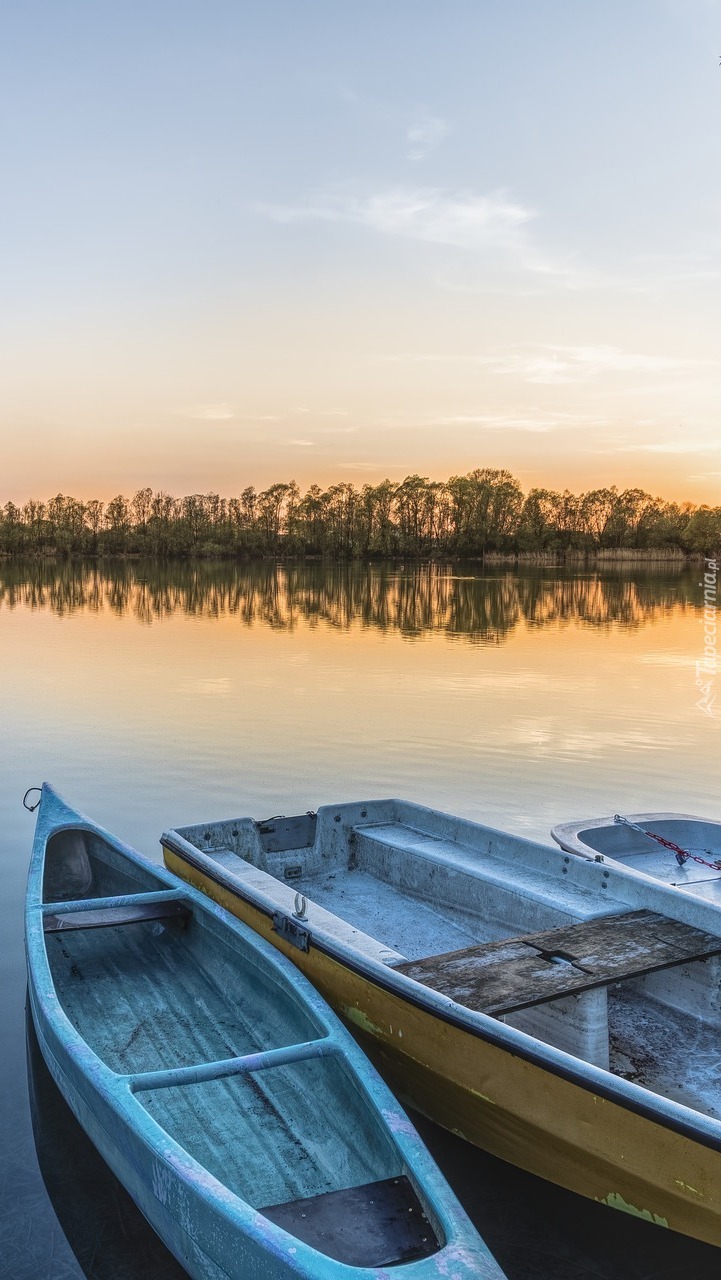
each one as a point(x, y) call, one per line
point(478, 514)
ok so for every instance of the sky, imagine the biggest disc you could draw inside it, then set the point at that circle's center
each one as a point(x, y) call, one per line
point(342, 240)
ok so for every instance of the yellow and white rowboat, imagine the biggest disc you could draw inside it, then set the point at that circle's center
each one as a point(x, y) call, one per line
point(555, 1010)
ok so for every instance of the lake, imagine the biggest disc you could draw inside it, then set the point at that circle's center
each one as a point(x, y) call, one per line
point(158, 696)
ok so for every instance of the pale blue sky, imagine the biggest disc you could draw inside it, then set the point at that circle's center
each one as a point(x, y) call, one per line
point(248, 242)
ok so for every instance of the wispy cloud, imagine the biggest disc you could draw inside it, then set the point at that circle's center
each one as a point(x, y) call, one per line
point(425, 134)
point(429, 214)
point(494, 227)
point(422, 129)
point(682, 446)
point(304, 444)
point(208, 412)
point(552, 364)
point(370, 466)
point(501, 422)
point(528, 420)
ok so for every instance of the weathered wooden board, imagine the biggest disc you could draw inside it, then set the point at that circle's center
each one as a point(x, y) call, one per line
point(501, 977)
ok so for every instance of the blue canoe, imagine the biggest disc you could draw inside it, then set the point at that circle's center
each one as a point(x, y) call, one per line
point(217, 1084)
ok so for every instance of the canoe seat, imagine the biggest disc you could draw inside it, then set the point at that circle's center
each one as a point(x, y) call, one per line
point(379, 1224)
point(502, 977)
point(58, 922)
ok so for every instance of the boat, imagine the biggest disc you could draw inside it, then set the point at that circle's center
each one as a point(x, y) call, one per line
point(218, 1086)
point(677, 849)
point(554, 1010)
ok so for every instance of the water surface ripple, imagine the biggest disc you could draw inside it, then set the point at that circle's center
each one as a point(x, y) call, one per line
point(162, 695)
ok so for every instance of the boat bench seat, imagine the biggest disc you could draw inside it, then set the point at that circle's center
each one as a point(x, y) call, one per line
point(105, 917)
point(503, 977)
point(527, 892)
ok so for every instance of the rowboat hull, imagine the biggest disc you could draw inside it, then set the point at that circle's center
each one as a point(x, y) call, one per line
point(524, 1101)
point(151, 1120)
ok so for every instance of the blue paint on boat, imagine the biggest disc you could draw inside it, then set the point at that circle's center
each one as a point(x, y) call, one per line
point(218, 1085)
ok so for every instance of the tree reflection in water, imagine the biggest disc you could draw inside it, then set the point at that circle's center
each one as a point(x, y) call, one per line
point(479, 604)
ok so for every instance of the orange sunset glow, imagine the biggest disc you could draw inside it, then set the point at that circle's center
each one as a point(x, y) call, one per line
point(255, 251)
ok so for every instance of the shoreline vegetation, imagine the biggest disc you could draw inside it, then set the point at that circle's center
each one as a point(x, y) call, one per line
point(484, 515)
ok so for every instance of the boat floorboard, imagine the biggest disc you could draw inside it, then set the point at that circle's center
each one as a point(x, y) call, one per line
point(664, 1049)
point(279, 1135)
point(143, 1002)
point(410, 925)
point(376, 1225)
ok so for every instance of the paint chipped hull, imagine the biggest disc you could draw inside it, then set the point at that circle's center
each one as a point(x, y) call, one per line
point(520, 1100)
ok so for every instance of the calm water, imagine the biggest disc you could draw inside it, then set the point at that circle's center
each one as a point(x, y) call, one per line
point(159, 697)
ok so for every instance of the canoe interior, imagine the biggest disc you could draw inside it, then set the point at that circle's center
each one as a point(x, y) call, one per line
point(283, 1134)
point(154, 995)
point(78, 864)
point(401, 883)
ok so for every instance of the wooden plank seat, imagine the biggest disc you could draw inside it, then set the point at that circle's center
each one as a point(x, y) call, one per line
point(518, 973)
point(104, 917)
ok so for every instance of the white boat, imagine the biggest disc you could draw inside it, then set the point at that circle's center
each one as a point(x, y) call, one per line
point(676, 849)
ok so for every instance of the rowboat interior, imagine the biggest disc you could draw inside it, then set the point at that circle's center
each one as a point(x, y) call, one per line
point(619, 839)
point(225, 1057)
point(566, 949)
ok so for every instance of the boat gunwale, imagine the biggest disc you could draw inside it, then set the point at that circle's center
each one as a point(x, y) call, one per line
point(59, 1039)
point(624, 1093)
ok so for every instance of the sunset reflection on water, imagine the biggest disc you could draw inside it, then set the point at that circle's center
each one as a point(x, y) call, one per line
point(156, 696)
point(517, 698)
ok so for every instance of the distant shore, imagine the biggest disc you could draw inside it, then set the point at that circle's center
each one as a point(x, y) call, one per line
point(670, 556)
point(482, 516)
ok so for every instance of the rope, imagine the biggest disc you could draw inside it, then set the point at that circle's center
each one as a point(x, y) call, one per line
point(682, 855)
point(32, 807)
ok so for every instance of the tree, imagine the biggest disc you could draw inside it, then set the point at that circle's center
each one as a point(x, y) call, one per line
point(703, 531)
point(595, 511)
point(411, 500)
point(141, 507)
point(117, 523)
point(538, 525)
point(486, 509)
